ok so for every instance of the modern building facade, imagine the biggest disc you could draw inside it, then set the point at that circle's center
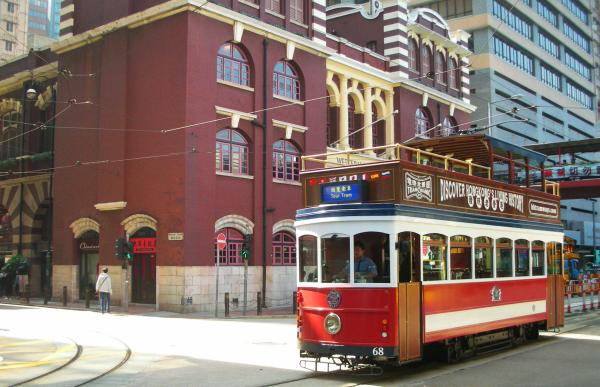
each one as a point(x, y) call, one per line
point(13, 28)
point(198, 115)
point(535, 56)
point(27, 87)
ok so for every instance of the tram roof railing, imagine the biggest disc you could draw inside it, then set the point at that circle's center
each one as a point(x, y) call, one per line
point(384, 153)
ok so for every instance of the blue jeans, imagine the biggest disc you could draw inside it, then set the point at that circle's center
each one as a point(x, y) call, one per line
point(105, 302)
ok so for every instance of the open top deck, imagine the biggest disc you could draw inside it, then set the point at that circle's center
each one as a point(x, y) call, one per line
point(475, 173)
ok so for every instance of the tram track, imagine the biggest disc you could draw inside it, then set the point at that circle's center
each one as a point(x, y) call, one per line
point(96, 359)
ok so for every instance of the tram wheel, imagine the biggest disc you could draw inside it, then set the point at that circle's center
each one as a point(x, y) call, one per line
point(532, 332)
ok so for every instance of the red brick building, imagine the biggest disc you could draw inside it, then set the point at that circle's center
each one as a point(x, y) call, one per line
point(200, 113)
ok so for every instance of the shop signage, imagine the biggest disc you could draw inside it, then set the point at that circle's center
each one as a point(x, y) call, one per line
point(89, 246)
point(453, 193)
point(175, 236)
point(418, 187)
point(143, 245)
point(543, 209)
point(572, 171)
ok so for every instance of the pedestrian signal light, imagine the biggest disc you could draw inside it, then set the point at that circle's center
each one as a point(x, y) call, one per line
point(245, 252)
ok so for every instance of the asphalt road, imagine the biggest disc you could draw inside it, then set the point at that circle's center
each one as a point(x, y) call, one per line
point(167, 351)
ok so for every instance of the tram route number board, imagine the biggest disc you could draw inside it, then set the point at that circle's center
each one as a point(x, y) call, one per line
point(343, 192)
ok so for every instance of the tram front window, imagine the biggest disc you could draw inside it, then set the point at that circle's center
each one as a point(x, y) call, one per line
point(308, 259)
point(371, 257)
point(335, 258)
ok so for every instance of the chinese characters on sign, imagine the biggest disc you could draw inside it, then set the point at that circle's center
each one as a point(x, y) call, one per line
point(419, 187)
point(350, 192)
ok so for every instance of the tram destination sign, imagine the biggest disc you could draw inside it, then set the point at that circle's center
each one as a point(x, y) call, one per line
point(343, 192)
point(461, 194)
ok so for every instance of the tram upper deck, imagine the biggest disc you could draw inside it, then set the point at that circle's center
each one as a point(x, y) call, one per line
point(476, 176)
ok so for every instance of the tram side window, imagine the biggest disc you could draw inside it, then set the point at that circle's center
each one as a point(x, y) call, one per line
point(308, 259)
point(372, 264)
point(335, 258)
point(483, 257)
point(537, 257)
point(460, 257)
point(504, 257)
point(521, 258)
point(434, 257)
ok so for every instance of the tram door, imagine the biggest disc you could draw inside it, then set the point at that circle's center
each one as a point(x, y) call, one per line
point(409, 296)
point(555, 287)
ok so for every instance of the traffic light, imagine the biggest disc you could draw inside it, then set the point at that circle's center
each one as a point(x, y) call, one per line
point(120, 248)
point(128, 250)
point(246, 247)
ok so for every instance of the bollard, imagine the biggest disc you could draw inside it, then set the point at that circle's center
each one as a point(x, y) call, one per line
point(88, 292)
point(64, 296)
point(294, 302)
point(226, 304)
point(568, 302)
point(258, 304)
point(46, 296)
point(27, 291)
point(583, 308)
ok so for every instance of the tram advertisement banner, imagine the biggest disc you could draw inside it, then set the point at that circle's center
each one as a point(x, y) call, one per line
point(453, 193)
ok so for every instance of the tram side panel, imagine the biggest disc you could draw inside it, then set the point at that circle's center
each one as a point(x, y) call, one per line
point(368, 321)
point(458, 309)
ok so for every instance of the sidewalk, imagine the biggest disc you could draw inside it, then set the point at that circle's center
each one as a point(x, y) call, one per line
point(150, 310)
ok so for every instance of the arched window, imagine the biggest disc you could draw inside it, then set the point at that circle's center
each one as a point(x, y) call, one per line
point(440, 68)
point(413, 55)
point(231, 254)
point(421, 123)
point(284, 249)
point(449, 127)
point(453, 74)
point(378, 132)
point(9, 149)
point(286, 161)
point(286, 82)
point(231, 152)
point(425, 59)
point(232, 65)
point(354, 123)
point(332, 124)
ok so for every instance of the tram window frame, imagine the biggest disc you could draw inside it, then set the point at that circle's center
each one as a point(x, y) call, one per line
point(332, 271)
point(460, 247)
point(377, 248)
point(535, 249)
point(502, 246)
point(554, 258)
point(521, 247)
point(487, 245)
point(443, 262)
point(311, 276)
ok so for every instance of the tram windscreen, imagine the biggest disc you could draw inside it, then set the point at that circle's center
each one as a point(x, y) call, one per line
point(335, 258)
point(308, 259)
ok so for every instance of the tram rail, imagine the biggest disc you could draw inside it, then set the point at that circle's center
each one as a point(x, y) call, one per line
point(77, 361)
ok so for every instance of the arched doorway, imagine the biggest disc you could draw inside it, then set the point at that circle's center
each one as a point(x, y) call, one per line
point(88, 246)
point(143, 266)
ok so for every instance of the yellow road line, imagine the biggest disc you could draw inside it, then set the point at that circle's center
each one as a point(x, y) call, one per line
point(45, 360)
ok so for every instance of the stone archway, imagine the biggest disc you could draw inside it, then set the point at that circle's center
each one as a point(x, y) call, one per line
point(238, 222)
point(136, 222)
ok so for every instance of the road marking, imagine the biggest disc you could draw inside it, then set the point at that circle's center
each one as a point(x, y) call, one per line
point(49, 359)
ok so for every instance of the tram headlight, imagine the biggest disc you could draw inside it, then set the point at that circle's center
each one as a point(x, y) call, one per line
point(332, 323)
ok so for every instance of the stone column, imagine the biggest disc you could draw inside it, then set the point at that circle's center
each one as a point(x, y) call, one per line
point(343, 116)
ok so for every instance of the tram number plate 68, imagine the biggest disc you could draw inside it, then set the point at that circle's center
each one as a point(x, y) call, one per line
point(378, 351)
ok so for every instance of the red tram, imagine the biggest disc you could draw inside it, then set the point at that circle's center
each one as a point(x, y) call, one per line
point(455, 242)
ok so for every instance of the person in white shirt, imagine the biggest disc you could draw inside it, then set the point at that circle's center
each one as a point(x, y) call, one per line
point(104, 288)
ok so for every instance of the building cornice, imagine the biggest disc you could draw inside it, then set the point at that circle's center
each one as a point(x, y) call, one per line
point(15, 81)
point(436, 95)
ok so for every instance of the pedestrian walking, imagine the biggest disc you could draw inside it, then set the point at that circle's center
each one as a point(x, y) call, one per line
point(104, 289)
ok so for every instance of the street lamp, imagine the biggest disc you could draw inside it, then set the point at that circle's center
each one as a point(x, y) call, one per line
point(511, 98)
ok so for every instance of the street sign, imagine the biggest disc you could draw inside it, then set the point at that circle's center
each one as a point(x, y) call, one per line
point(221, 241)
